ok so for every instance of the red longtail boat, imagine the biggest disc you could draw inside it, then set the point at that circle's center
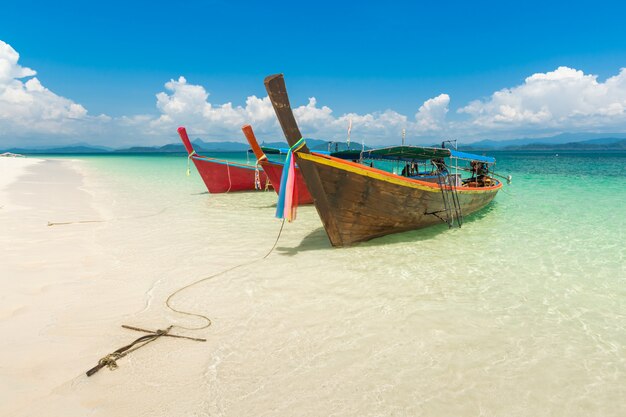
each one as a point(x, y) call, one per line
point(222, 176)
point(274, 170)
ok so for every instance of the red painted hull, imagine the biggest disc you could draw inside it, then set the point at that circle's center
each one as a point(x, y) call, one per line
point(274, 170)
point(221, 176)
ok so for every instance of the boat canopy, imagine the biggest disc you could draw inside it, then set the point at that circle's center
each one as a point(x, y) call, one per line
point(411, 153)
point(472, 157)
point(403, 153)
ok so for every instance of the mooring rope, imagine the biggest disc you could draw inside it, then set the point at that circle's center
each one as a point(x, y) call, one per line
point(112, 219)
point(110, 360)
point(79, 221)
point(210, 277)
point(188, 159)
point(230, 184)
point(257, 178)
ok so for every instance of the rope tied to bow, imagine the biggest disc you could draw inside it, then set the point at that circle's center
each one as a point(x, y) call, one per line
point(188, 160)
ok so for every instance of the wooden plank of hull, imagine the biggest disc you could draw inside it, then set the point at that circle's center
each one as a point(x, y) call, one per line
point(274, 170)
point(365, 207)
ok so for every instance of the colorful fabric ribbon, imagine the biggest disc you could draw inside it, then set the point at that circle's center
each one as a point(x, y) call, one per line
point(288, 197)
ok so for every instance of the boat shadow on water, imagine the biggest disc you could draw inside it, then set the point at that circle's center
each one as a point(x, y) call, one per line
point(315, 240)
point(318, 240)
point(266, 206)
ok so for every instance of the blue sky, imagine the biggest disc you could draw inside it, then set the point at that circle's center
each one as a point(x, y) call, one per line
point(361, 58)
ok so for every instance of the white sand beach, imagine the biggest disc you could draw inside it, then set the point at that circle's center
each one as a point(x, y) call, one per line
point(12, 168)
point(391, 327)
point(110, 259)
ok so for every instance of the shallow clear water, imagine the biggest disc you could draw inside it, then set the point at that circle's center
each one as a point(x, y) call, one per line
point(522, 311)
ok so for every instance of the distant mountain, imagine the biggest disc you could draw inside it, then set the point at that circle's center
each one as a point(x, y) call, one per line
point(588, 145)
point(603, 141)
point(77, 145)
point(139, 149)
point(227, 146)
point(60, 150)
point(311, 143)
point(573, 141)
point(172, 147)
point(594, 138)
point(199, 146)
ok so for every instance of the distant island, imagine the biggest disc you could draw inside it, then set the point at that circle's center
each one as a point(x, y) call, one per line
point(172, 148)
point(606, 144)
point(563, 142)
point(619, 144)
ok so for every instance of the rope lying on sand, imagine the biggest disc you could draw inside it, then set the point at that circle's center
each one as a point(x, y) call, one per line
point(110, 220)
point(210, 277)
point(79, 221)
point(110, 360)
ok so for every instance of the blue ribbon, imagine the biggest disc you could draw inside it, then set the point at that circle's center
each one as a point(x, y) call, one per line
point(280, 206)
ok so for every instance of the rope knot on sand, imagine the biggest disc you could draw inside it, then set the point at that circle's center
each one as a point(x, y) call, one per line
point(110, 361)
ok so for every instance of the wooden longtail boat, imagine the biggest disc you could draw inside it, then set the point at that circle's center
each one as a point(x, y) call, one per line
point(274, 170)
point(357, 202)
point(222, 176)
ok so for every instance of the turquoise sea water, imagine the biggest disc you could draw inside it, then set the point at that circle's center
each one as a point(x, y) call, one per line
point(522, 311)
point(563, 213)
point(571, 193)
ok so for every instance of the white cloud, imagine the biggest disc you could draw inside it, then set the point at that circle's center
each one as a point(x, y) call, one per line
point(311, 115)
point(432, 114)
point(9, 69)
point(187, 104)
point(563, 99)
point(28, 107)
point(558, 101)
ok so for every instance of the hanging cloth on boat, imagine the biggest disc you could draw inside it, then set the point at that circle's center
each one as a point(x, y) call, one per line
point(288, 197)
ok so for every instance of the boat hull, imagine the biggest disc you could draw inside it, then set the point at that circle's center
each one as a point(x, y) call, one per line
point(274, 172)
point(364, 203)
point(358, 203)
point(221, 176)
